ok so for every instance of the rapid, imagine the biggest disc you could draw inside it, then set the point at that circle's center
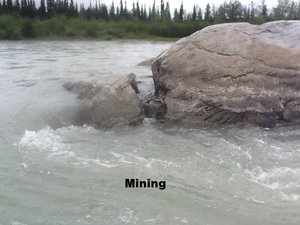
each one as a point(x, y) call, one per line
point(55, 172)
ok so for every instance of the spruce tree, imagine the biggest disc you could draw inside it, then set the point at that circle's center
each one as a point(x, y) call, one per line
point(138, 12)
point(121, 8)
point(24, 8)
point(118, 13)
point(194, 15)
point(126, 11)
point(207, 14)
point(181, 11)
point(176, 15)
point(199, 14)
point(112, 11)
point(17, 6)
point(42, 10)
point(4, 6)
point(153, 11)
point(264, 9)
point(71, 10)
point(292, 13)
point(103, 12)
point(252, 11)
point(9, 6)
point(76, 10)
point(167, 12)
point(65, 7)
point(50, 8)
point(150, 14)
point(162, 10)
point(133, 10)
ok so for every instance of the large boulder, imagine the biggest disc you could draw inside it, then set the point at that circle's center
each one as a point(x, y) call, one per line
point(112, 105)
point(232, 73)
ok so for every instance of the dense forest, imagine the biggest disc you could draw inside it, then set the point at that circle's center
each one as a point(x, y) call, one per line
point(66, 19)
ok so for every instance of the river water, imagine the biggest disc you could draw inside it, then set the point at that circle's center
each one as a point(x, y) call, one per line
point(53, 172)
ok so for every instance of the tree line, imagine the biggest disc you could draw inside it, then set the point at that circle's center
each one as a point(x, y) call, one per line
point(232, 11)
point(57, 19)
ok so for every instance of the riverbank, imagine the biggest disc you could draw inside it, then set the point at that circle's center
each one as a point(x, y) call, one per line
point(60, 28)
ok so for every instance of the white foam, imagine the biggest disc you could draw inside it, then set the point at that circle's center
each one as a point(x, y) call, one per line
point(17, 223)
point(248, 155)
point(149, 162)
point(130, 158)
point(50, 142)
point(45, 140)
point(150, 221)
point(285, 180)
point(126, 216)
point(88, 161)
point(258, 140)
point(256, 200)
point(121, 158)
point(289, 197)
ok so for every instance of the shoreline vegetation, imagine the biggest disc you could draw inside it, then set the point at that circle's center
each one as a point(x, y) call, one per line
point(64, 19)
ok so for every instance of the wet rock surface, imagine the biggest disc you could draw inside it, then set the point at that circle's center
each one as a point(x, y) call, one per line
point(106, 106)
point(232, 73)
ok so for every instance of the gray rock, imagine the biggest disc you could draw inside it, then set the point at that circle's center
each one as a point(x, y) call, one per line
point(147, 62)
point(106, 106)
point(232, 73)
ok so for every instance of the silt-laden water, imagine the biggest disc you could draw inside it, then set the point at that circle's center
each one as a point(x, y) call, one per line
point(53, 172)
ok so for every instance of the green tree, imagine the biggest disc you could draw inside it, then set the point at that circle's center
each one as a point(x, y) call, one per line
point(199, 14)
point(222, 12)
point(292, 13)
point(235, 11)
point(252, 11)
point(298, 11)
point(281, 11)
point(264, 9)
point(118, 12)
point(72, 9)
point(138, 11)
point(4, 7)
point(9, 6)
point(50, 8)
point(121, 8)
point(125, 11)
point(112, 15)
point(31, 8)
point(154, 13)
point(24, 8)
point(176, 15)
point(194, 15)
point(17, 6)
point(181, 12)
point(207, 14)
point(42, 10)
point(162, 9)
point(167, 12)
point(144, 13)
point(133, 10)
point(103, 12)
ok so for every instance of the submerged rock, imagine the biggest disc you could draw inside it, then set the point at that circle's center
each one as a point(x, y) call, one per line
point(106, 106)
point(231, 73)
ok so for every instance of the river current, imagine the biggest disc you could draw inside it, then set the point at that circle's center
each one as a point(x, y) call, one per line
point(54, 172)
